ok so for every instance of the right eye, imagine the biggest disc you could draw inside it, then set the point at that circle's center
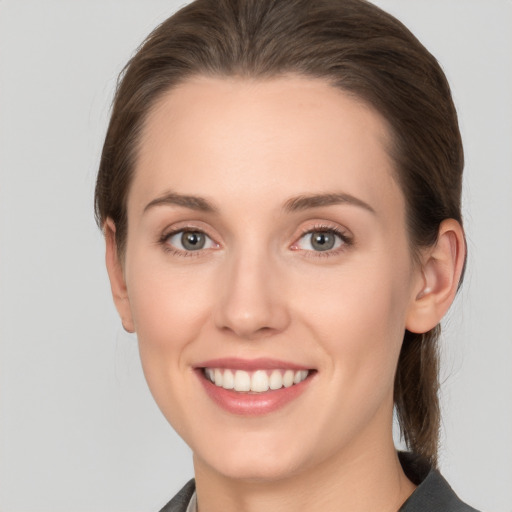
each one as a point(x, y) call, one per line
point(190, 240)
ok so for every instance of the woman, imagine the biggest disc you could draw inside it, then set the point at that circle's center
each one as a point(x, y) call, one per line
point(280, 195)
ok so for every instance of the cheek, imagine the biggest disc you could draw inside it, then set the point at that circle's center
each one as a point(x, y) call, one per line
point(168, 304)
point(170, 307)
point(358, 316)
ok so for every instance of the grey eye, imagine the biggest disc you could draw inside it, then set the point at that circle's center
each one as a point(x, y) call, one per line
point(186, 240)
point(193, 240)
point(322, 240)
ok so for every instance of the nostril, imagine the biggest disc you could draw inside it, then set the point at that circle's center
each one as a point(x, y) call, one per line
point(249, 333)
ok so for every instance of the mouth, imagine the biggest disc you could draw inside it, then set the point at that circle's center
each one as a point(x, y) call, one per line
point(253, 388)
point(258, 381)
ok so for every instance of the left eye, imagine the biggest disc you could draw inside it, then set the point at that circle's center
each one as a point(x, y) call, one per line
point(190, 240)
point(319, 241)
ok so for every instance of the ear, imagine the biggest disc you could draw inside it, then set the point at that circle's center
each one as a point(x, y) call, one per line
point(441, 271)
point(116, 276)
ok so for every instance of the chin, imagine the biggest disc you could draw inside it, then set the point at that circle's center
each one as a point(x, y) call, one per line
point(255, 469)
point(253, 460)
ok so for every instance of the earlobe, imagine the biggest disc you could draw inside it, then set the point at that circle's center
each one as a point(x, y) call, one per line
point(116, 276)
point(440, 275)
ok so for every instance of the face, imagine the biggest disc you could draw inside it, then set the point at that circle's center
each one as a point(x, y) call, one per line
point(267, 252)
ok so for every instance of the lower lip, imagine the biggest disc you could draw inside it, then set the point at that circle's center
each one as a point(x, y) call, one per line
point(252, 404)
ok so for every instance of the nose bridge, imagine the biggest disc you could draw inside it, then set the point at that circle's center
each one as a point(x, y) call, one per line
point(252, 302)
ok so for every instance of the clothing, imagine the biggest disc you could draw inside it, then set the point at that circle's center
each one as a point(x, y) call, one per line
point(192, 504)
point(433, 493)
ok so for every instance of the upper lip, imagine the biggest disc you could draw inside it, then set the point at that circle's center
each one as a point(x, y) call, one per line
point(262, 363)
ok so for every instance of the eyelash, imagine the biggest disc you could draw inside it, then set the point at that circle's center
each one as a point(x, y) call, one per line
point(347, 241)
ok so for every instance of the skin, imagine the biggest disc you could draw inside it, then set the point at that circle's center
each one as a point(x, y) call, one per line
point(259, 289)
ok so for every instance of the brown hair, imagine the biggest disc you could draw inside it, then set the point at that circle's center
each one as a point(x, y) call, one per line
point(354, 46)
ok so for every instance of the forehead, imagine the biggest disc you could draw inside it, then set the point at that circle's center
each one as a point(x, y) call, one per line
point(238, 136)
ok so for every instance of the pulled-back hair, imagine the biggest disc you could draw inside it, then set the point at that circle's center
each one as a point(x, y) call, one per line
point(353, 45)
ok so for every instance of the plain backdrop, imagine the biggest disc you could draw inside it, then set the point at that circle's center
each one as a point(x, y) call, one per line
point(78, 428)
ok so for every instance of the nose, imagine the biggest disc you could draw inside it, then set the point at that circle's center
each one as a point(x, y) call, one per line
point(253, 302)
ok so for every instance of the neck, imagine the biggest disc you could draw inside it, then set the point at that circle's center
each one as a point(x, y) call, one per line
point(366, 476)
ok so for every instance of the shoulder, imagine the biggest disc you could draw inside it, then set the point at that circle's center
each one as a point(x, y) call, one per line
point(433, 492)
point(180, 502)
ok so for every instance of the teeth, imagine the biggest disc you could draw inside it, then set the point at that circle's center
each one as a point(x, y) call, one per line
point(242, 381)
point(259, 381)
point(300, 376)
point(228, 380)
point(276, 380)
point(288, 378)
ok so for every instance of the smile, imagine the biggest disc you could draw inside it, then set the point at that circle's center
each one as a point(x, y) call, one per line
point(254, 387)
point(258, 381)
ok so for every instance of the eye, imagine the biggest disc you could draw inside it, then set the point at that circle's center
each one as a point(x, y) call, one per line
point(321, 240)
point(190, 240)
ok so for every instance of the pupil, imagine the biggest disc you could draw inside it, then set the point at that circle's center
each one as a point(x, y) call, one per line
point(192, 241)
point(322, 241)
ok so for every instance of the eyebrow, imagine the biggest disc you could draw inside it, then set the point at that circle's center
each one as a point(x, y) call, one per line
point(191, 202)
point(317, 200)
point(299, 203)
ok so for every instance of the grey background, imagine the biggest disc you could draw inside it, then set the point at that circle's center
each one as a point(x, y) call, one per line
point(78, 428)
